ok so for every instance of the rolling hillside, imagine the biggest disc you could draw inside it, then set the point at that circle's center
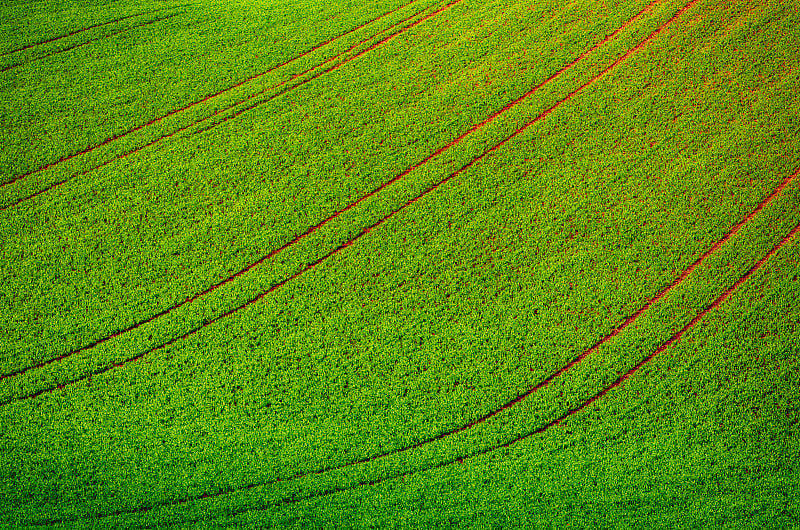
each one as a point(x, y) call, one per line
point(400, 264)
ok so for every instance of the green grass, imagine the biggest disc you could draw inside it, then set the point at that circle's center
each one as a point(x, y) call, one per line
point(352, 379)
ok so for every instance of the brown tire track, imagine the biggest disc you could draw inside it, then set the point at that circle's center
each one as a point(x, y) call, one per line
point(201, 120)
point(350, 206)
point(184, 108)
point(75, 32)
point(676, 337)
point(378, 223)
point(338, 65)
point(35, 59)
point(554, 423)
point(316, 75)
point(366, 230)
point(663, 347)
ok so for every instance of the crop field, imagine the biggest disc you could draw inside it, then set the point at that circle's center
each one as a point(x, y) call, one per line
point(400, 264)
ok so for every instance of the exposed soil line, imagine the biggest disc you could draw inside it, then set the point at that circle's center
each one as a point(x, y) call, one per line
point(198, 102)
point(5, 69)
point(672, 340)
point(664, 346)
point(383, 219)
point(75, 32)
point(336, 214)
point(201, 120)
point(616, 331)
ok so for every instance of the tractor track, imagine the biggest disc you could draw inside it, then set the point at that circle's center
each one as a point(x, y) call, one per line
point(618, 382)
point(75, 32)
point(179, 110)
point(364, 231)
point(556, 422)
point(338, 213)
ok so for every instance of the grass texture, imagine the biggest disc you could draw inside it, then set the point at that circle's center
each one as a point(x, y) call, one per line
point(400, 264)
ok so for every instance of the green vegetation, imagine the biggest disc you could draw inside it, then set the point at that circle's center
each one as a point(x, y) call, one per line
point(275, 307)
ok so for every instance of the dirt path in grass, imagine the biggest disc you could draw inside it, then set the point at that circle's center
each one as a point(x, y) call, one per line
point(350, 206)
point(618, 382)
point(182, 109)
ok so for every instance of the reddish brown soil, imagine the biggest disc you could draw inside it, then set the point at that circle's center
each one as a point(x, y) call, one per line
point(176, 111)
point(558, 421)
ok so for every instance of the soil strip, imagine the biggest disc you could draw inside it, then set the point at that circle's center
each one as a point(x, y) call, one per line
point(193, 104)
point(558, 421)
point(369, 228)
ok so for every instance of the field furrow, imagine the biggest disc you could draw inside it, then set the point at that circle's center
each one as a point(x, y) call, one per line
point(628, 321)
point(675, 338)
point(282, 244)
point(572, 412)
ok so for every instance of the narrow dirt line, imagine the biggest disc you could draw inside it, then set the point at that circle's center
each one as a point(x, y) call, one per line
point(76, 46)
point(197, 295)
point(184, 108)
point(554, 423)
point(201, 120)
point(628, 321)
point(374, 225)
point(75, 32)
point(350, 206)
point(521, 397)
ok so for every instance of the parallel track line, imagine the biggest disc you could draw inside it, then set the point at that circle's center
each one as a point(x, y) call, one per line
point(181, 109)
point(554, 423)
point(75, 32)
point(76, 46)
point(338, 213)
point(368, 229)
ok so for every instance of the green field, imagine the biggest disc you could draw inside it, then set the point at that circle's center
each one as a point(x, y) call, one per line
point(400, 264)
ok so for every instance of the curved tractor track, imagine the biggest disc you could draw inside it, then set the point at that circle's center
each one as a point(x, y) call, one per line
point(675, 338)
point(205, 99)
point(350, 206)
